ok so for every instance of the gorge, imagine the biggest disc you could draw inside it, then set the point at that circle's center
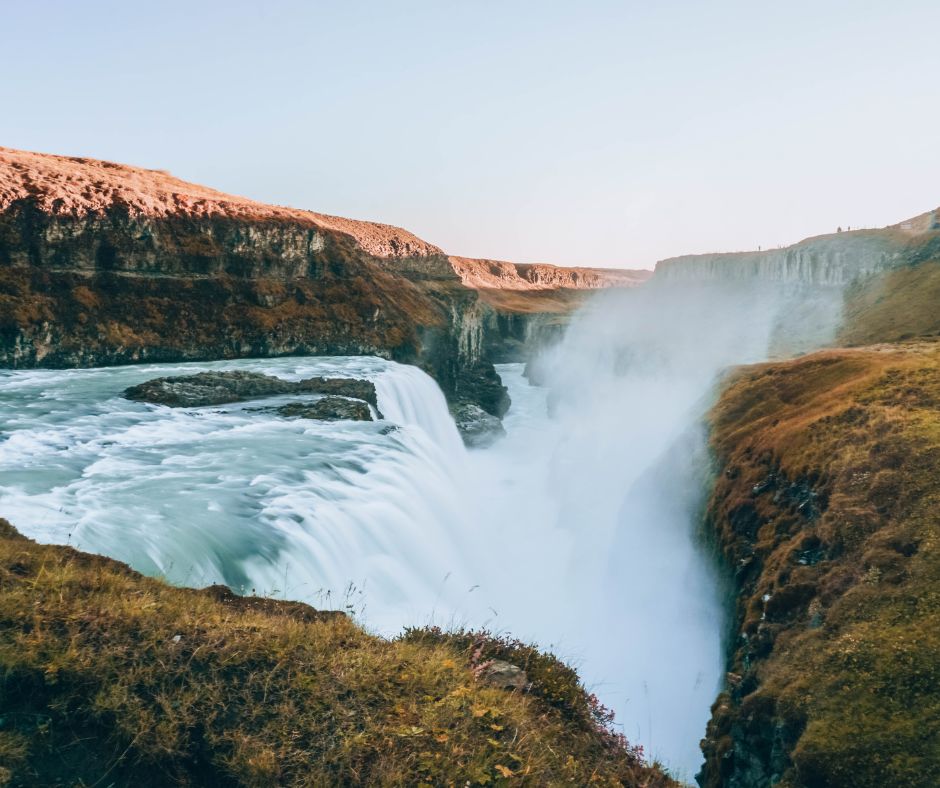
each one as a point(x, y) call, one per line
point(631, 520)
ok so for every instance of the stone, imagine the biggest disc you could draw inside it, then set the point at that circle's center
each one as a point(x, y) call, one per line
point(504, 675)
point(327, 409)
point(224, 387)
point(477, 427)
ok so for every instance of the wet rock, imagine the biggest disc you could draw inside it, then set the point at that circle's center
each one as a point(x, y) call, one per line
point(481, 384)
point(504, 675)
point(219, 388)
point(477, 427)
point(327, 409)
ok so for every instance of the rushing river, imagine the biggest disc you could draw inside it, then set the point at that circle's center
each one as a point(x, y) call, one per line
point(577, 530)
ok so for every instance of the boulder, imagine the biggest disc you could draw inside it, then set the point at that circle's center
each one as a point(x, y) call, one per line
point(477, 427)
point(327, 409)
point(504, 675)
point(223, 387)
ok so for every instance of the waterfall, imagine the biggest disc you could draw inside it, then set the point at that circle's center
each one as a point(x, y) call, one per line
point(577, 531)
point(339, 514)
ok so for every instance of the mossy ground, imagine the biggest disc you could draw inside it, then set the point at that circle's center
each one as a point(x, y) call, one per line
point(827, 511)
point(110, 678)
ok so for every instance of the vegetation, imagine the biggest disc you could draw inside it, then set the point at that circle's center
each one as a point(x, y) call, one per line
point(110, 678)
point(900, 304)
point(826, 512)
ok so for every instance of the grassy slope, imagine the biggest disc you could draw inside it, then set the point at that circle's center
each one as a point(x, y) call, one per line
point(827, 510)
point(558, 301)
point(107, 677)
point(901, 304)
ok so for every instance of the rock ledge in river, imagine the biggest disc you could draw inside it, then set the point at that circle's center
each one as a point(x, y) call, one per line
point(477, 427)
point(220, 388)
point(327, 409)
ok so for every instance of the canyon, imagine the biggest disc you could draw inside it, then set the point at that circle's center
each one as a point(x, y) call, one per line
point(723, 490)
point(103, 263)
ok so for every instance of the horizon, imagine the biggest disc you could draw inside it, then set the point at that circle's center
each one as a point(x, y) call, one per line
point(486, 130)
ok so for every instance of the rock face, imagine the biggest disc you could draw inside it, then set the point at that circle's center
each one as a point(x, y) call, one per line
point(836, 259)
point(328, 409)
point(104, 264)
point(478, 428)
point(501, 275)
point(527, 306)
point(219, 388)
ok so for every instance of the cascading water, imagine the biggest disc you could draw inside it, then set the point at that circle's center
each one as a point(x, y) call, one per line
point(576, 531)
point(298, 508)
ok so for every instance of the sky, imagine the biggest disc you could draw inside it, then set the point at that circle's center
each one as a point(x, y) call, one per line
point(588, 133)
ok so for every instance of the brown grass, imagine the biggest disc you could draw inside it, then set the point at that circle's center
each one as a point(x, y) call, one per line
point(107, 677)
point(826, 511)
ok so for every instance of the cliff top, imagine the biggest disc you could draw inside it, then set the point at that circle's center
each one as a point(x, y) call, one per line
point(68, 185)
point(828, 481)
point(498, 274)
point(895, 235)
point(76, 186)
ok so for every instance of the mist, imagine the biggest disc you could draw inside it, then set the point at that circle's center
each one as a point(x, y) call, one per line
point(595, 511)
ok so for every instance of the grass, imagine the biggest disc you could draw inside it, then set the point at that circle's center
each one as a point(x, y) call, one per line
point(111, 678)
point(898, 305)
point(827, 513)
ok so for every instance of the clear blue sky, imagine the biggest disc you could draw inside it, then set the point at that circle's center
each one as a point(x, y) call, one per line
point(604, 133)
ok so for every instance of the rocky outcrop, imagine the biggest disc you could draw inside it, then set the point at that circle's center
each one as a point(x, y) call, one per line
point(102, 264)
point(328, 409)
point(220, 388)
point(478, 428)
point(501, 275)
point(525, 307)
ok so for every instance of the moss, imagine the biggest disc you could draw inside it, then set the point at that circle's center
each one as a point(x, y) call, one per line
point(108, 677)
point(841, 607)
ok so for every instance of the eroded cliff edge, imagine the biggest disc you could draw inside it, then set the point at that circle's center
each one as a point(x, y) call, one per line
point(825, 514)
point(103, 263)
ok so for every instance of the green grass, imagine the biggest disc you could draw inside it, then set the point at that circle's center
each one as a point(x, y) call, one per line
point(108, 677)
point(836, 655)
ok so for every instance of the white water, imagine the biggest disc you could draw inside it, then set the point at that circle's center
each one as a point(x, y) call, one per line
point(575, 531)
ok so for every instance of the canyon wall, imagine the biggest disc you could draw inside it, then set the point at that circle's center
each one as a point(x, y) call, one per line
point(835, 259)
point(824, 514)
point(103, 263)
point(821, 516)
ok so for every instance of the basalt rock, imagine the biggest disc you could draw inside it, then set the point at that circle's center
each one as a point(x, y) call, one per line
point(220, 388)
point(477, 427)
point(104, 264)
point(504, 675)
point(327, 409)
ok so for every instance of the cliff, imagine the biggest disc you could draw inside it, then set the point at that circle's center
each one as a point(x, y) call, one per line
point(526, 306)
point(499, 275)
point(836, 259)
point(111, 678)
point(824, 512)
point(103, 263)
